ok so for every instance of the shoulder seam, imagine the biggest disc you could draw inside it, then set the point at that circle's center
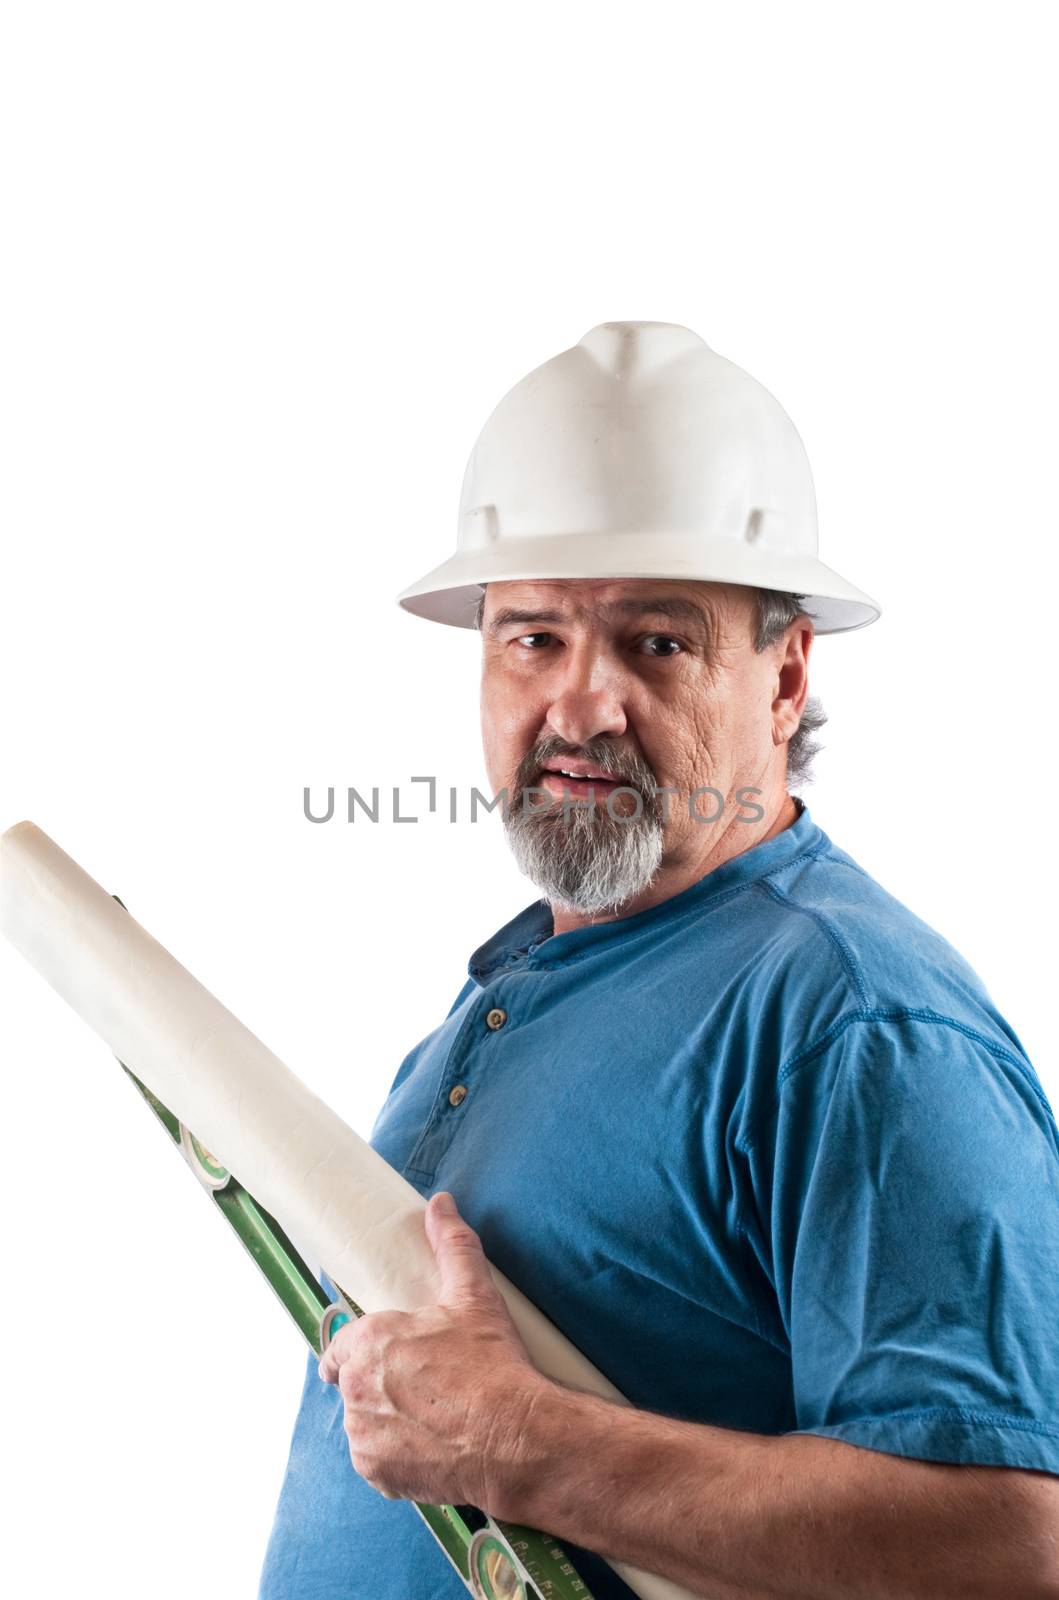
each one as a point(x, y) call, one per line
point(830, 931)
point(801, 1058)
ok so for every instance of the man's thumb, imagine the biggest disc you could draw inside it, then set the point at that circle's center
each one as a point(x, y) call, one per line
point(457, 1250)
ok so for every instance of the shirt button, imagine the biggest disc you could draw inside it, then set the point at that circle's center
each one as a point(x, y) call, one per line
point(496, 1018)
point(458, 1095)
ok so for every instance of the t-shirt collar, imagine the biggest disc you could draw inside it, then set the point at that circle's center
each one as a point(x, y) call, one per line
point(528, 940)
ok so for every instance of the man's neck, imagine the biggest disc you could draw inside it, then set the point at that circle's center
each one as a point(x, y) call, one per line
point(674, 876)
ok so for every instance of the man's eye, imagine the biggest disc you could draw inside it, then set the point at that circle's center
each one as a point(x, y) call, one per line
point(523, 638)
point(664, 640)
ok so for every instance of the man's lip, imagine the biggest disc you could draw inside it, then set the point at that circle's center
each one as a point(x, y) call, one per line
point(580, 769)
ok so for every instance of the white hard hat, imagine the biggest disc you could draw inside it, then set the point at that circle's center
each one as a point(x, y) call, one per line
point(639, 453)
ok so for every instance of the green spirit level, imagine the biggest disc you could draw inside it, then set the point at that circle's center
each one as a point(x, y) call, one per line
point(496, 1560)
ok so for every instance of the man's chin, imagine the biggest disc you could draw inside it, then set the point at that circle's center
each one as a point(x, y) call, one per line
point(584, 908)
point(581, 877)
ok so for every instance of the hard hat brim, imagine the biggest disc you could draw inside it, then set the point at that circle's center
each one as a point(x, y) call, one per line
point(450, 592)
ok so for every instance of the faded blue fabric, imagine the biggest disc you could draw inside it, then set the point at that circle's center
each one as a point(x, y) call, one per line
point(766, 1153)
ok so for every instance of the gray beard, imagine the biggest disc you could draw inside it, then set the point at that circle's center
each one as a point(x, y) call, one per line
point(586, 860)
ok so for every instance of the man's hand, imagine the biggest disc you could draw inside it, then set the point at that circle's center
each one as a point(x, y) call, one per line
point(437, 1400)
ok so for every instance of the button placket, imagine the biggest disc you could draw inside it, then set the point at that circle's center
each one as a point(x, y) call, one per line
point(440, 1127)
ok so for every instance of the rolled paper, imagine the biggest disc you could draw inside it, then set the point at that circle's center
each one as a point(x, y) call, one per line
point(323, 1183)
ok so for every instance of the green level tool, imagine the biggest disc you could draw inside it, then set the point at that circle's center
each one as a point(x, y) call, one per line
point(496, 1560)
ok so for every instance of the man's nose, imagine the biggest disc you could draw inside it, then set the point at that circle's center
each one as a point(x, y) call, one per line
point(589, 700)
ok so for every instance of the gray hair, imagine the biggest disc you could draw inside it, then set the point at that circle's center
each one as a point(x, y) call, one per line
point(776, 610)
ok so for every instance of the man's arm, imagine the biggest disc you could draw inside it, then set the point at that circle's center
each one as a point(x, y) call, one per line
point(743, 1516)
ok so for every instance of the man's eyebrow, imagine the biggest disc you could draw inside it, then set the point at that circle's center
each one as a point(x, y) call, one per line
point(675, 607)
point(508, 614)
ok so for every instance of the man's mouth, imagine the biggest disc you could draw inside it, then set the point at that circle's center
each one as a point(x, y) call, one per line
point(578, 778)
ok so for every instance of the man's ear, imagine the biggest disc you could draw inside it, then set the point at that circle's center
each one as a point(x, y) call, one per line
point(792, 679)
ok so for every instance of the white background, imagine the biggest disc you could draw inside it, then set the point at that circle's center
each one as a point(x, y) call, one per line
point(266, 271)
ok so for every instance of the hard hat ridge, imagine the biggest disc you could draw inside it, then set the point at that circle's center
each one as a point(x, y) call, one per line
point(625, 348)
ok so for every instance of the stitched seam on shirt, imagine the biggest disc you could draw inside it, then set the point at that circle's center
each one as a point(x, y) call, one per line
point(718, 900)
point(846, 956)
point(902, 1014)
point(990, 1419)
point(502, 955)
point(538, 964)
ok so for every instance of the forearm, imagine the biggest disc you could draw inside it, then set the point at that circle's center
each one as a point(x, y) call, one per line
point(742, 1516)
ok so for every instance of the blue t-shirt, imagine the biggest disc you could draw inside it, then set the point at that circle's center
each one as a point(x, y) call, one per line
point(766, 1153)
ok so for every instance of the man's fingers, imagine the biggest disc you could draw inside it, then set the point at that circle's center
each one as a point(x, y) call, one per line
point(337, 1351)
point(462, 1267)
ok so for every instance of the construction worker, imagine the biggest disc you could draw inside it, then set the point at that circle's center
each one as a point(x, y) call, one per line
point(749, 1132)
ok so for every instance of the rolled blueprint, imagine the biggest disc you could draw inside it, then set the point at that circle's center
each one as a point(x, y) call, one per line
point(323, 1183)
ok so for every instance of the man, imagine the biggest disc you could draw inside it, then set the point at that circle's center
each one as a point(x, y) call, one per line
point(751, 1134)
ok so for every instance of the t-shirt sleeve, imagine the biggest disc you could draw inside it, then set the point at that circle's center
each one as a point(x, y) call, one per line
point(906, 1188)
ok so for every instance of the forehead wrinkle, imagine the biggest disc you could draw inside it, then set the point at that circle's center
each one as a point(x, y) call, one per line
point(675, 607)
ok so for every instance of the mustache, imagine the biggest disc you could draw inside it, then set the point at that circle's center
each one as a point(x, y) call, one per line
point(621, 766)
